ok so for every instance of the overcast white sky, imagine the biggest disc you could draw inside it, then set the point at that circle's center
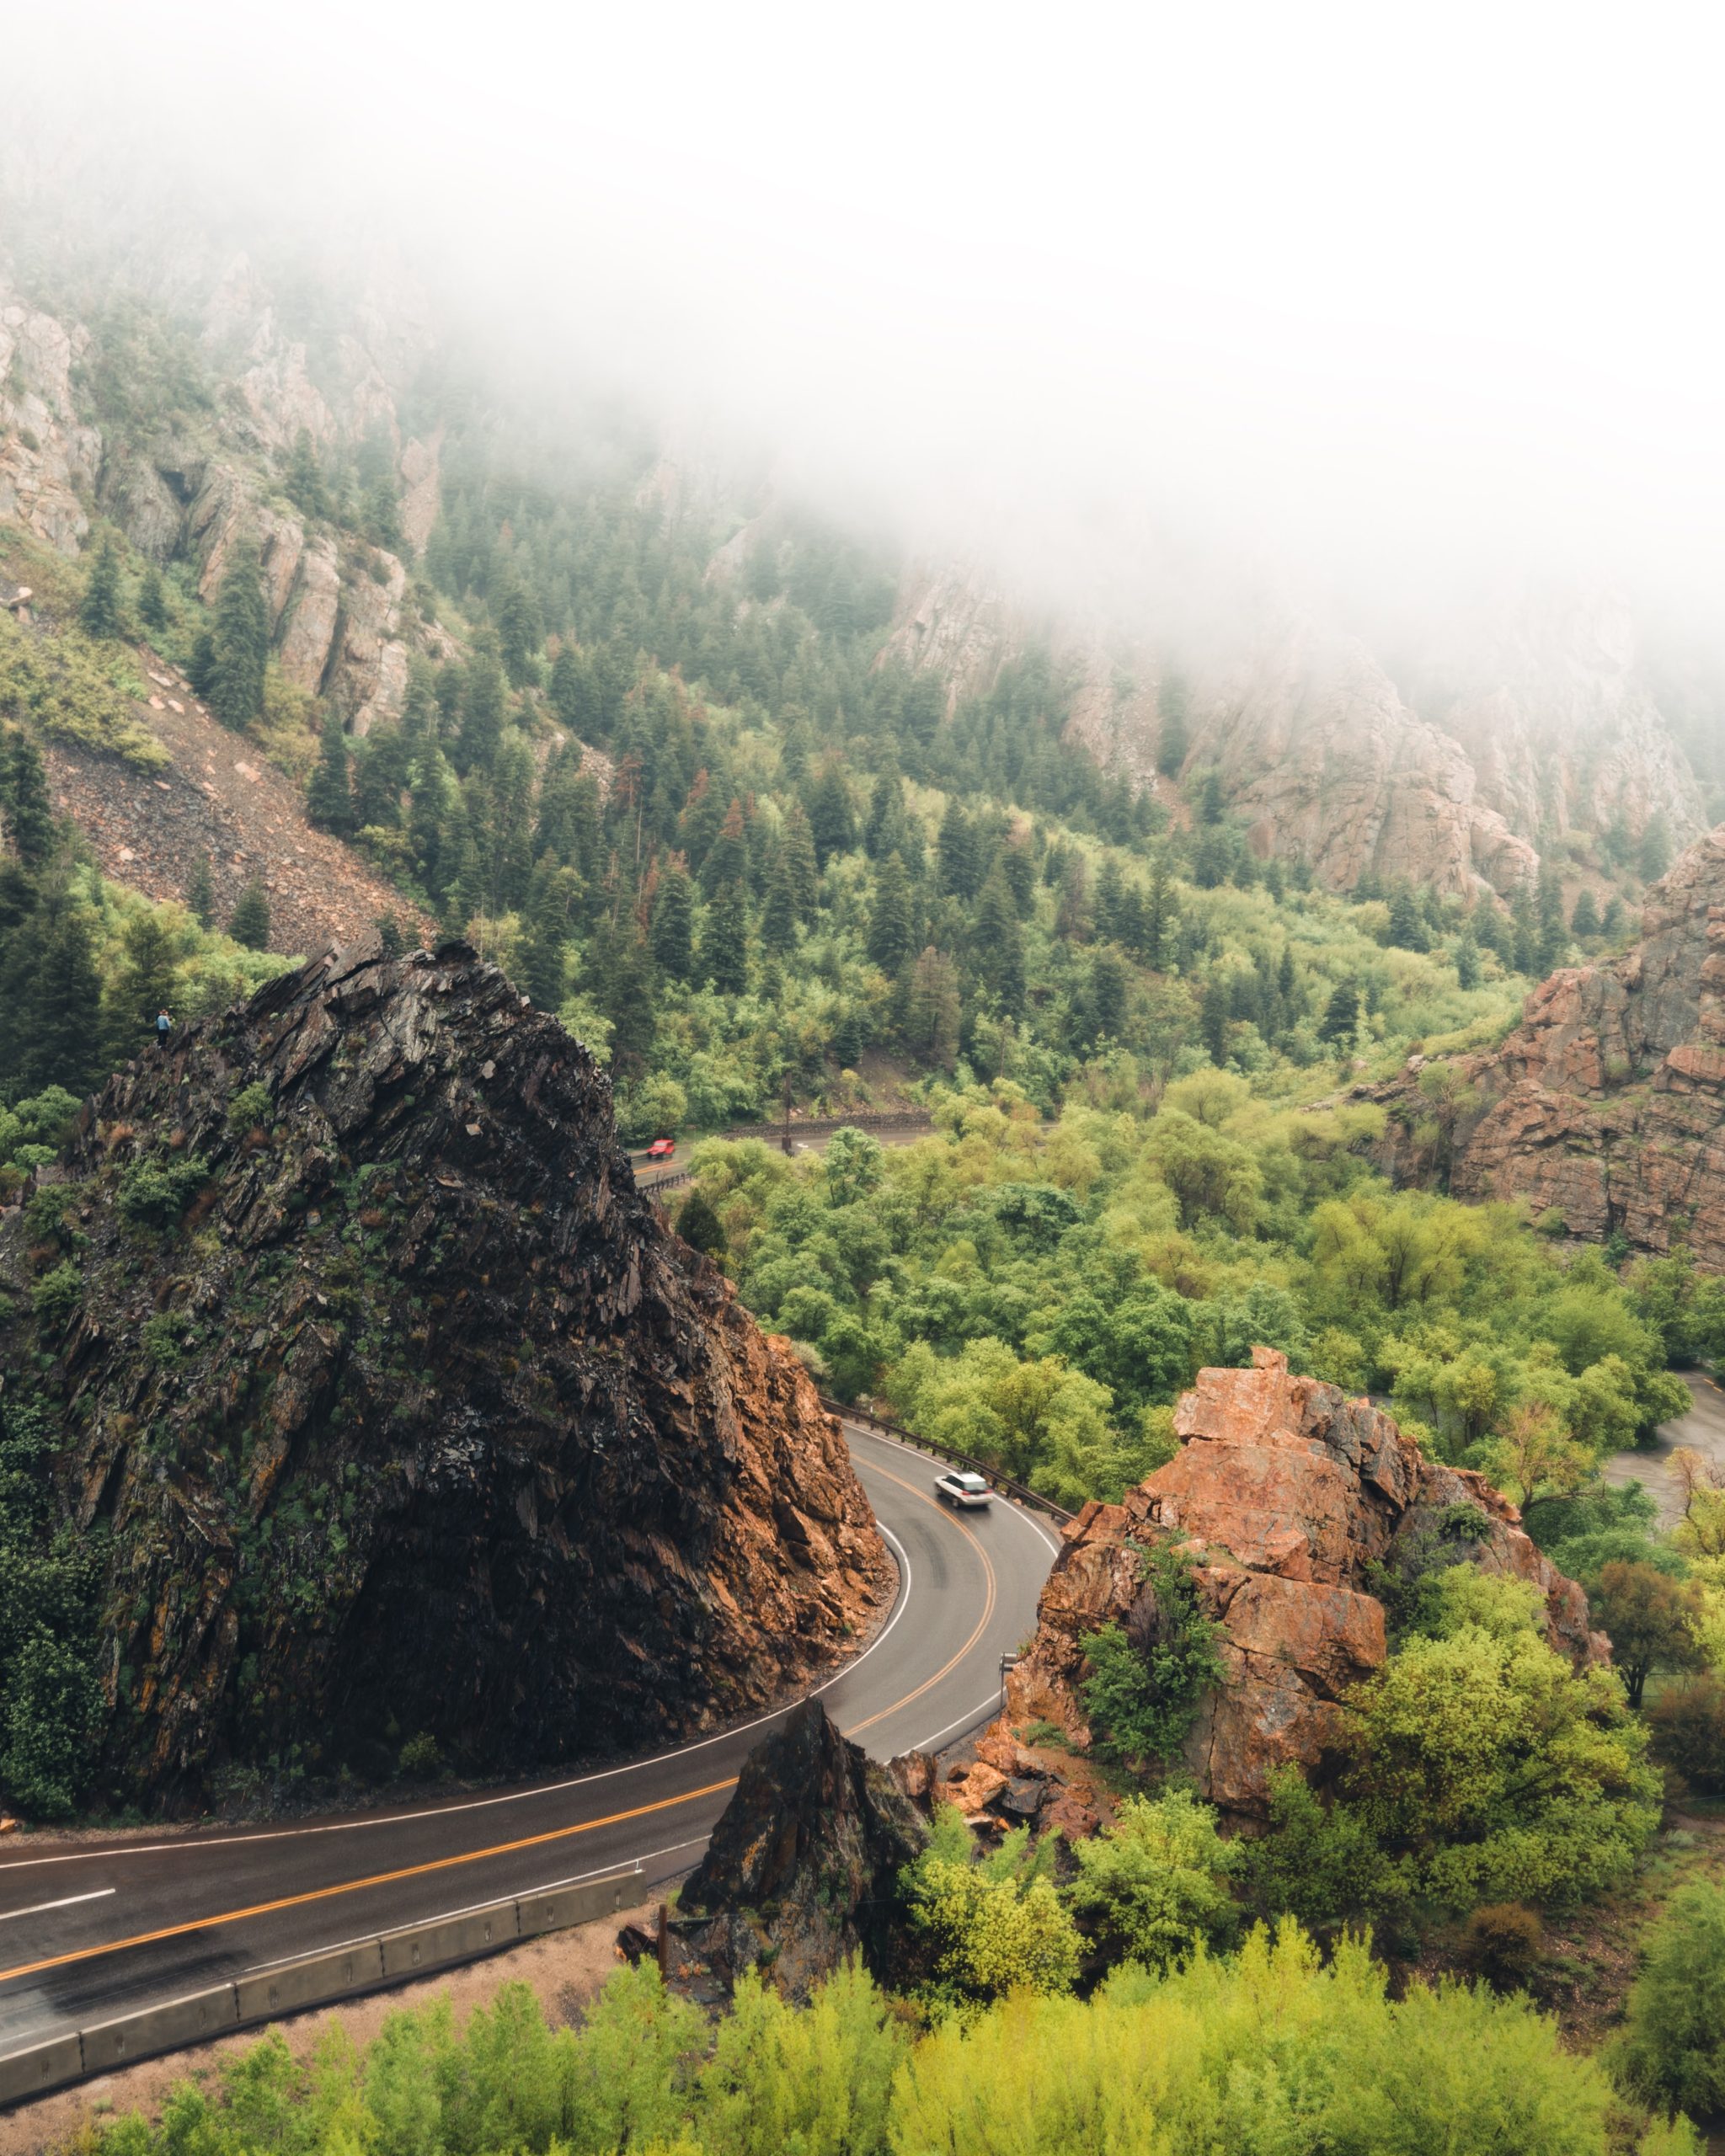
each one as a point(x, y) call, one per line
point(1369, 296)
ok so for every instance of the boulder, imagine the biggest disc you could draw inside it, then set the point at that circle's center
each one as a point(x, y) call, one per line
point(802, 1868)
point(1289, 1496)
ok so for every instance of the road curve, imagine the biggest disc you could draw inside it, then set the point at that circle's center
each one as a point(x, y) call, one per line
point(89, 1930)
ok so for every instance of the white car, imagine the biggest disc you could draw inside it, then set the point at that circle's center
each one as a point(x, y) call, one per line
point(956, 1489)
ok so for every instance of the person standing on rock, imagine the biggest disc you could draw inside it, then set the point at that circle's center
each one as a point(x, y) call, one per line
point(164, 1027)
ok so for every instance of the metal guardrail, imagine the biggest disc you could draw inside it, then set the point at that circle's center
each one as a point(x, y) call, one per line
point(1004, 1483)
point(319, 1979)
point(823, 1126)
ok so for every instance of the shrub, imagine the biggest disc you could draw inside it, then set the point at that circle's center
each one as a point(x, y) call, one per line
point(77, 692)
point(420, 1757)
point(1154, 1885)
point(53, 1717)
point(1142, 1701)
point(1688, 1724)
point(57, 1295)
point(153, 1193)
point(250, 1106)
point(986, 1930)
point(1503, 1942)
point(1673, 2050)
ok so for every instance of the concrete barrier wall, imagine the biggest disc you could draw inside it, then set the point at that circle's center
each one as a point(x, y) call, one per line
point(393, 1957)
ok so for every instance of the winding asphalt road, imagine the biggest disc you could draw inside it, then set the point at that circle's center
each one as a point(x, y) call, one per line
point(89, 1930)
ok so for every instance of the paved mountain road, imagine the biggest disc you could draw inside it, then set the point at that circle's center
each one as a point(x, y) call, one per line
point(89, 1930)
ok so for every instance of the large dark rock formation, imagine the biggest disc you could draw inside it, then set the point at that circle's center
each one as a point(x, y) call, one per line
point(418, 1418)
point(1295, 1501)
point(802, 1868)
point(1608, 1101)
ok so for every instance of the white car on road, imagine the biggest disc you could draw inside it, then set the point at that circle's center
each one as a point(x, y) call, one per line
point(956, 1489)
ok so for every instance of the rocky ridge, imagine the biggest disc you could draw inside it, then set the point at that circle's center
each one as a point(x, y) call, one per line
point(1293, 1500)
point(1452, 770)
point(402, 1409)
point(1607, 1103)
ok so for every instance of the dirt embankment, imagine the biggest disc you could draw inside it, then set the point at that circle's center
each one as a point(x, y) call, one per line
point(221, 798)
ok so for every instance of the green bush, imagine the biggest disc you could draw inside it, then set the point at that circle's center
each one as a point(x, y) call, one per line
point(1154, 1885)
point(53, 1719)
point(1672, 2048)
point(1503, 1942)
point(1688, 1724)
point(420, 1756)
point(57, 1295)
point(1142, 1701)
point(984, 1929)
point(250, 1106)
point(153, 1193)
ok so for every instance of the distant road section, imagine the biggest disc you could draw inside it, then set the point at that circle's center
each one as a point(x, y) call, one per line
point(1702, 1430)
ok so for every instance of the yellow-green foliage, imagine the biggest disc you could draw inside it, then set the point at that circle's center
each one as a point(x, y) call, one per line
point(76, 691)
point(1275, 2052)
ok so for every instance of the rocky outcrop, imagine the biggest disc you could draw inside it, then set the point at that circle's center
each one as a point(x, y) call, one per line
point(801, 1867)
point(1328, 764)
point(49, 457)
point(403, 1412)
point(1293, 1500)
point(957, 623)
point(1608, 1101)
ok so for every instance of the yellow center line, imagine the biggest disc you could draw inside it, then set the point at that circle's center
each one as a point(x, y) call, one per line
point(528, 1841)
point(948, 1667)
point(358, 1886)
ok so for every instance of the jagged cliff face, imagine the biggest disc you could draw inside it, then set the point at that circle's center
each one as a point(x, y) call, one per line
point(1608, 1101)
point(1290, 1495)
point(339, 614)
point(1452, 769)
point(419, 1418)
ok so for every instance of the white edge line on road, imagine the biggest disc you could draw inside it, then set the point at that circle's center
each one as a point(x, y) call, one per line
point(508, 1797)
point(449, 1916)
point(65, 1902)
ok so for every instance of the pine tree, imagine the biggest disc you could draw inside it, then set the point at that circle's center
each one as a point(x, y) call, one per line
point(1110, 893)
point(884, 827)
point(960, 871)
point(302, 481)
point(1408, 929)
point(892, 930)
point(1212, 802)
point(572, 691)
point(831, 820)
point(778, 911)
point(1552, 942)
point(1213, 1016)
point(240, 642)
point(200, 892)
point(1072, 920)
point(380, 514)
point(147, 982)
point(674, 922)
point(1340, 1022)
point(484, 706)
point(1172, 743)
point(1652, 856)
point(1213, 856)
point(250, 925)
point(153, 599)
point(98, 613)
point(997, 943)
point(1613, 918)
point(700, 1227)
point(381, 778)
point(519, 632)
point(627, 991)
point(724, 946)
point(1106, 1000)
point(931, 1008)
point(802, 869)
point(63, 1045)
point(329, 801)
point(1467, 965)
point(727, 858)
point(1160, 914)
point(544, 958)
point(200, 667)
point(1584, 920)
point(26, 813)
